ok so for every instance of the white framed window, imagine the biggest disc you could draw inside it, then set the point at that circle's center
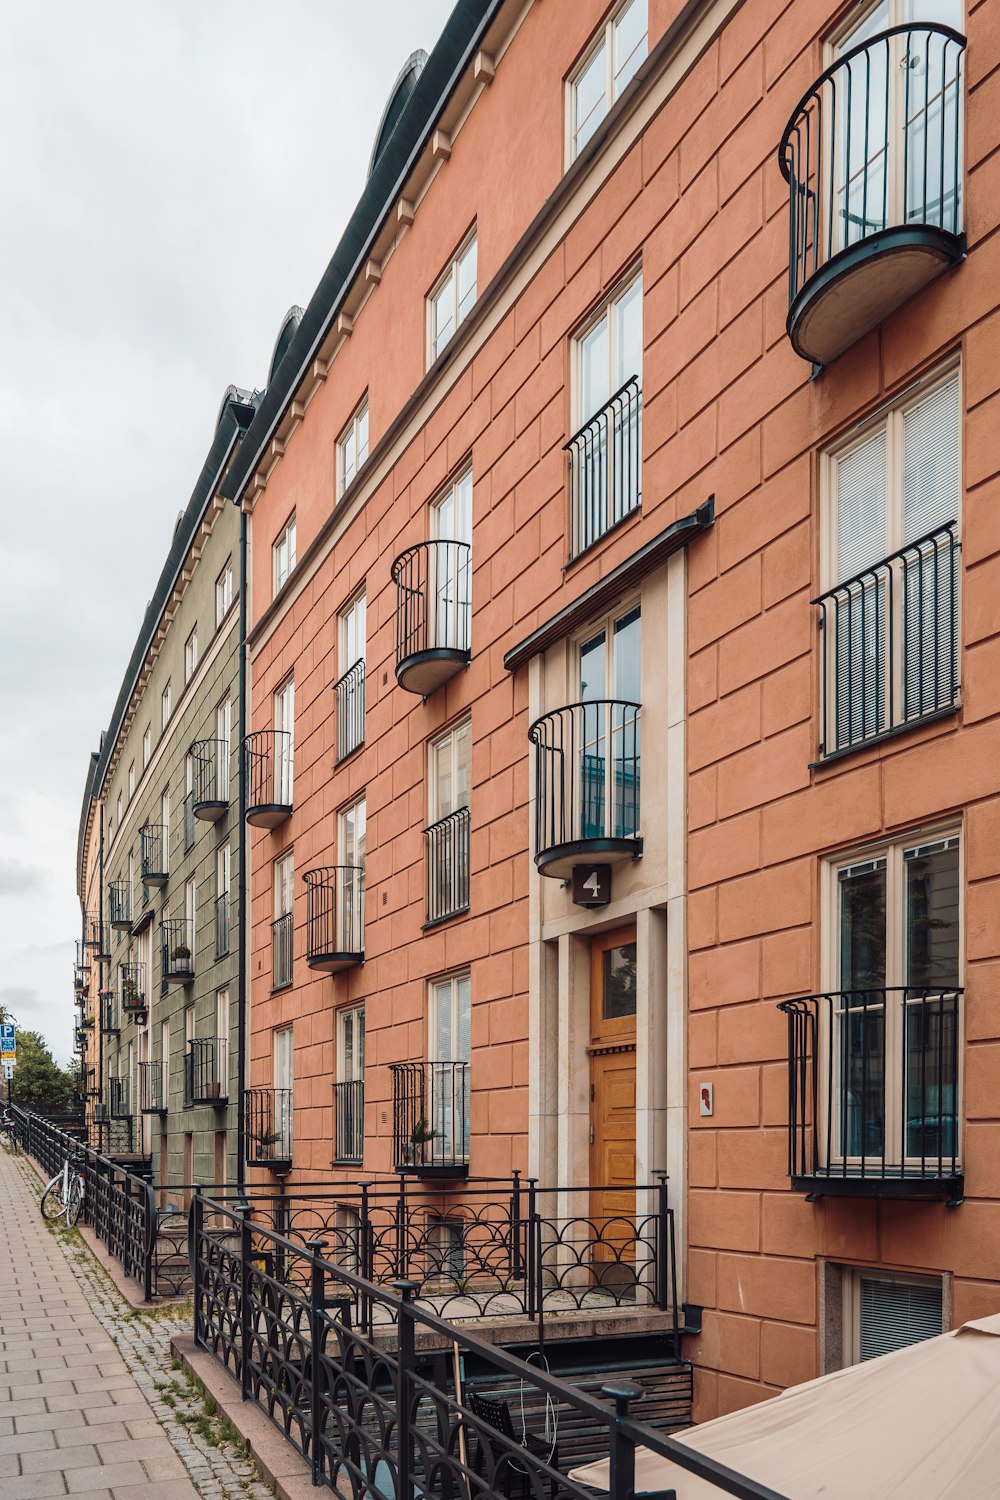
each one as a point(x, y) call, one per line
point(613, 58)
point(888, 1310)
point(189, 818)
point(131, 881)
point(449, 1050)
point(131, 773)
point(450, 770)
point(222, 1037)
point(191, 654)
point(284, 1090)
point(191, 906)
point(350, 687)
point(284, 742)
point(351, 1044)
point(165, 823)
point(223, 735)
point(223, 592)
point(448, 834)
point(147, 745)
point(352, 447)
point(349, 1093)
point(283, 925)
point(222, 876)
point(165, 707)
point(449, 570)
point(891, 1027)
point(890, 569)
point(119, 809)
point(283, 553)
point(452, 297)
point(605, 469)
point(164, 1062)
point(604, 796)
point(352, 626)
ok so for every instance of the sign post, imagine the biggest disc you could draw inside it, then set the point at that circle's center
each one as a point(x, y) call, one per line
point(8, 1052)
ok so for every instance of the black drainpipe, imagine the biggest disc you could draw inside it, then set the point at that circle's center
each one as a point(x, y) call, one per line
point(241, 1007)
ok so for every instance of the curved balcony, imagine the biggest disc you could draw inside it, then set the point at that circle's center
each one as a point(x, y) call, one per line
point(335, 917)
point(430, 1118)
point(267, 1125)
point(109, 1023)
point(152, 1090)
point(206, 1072)
point(153, 838)
point(433, 614)
point(177, 950)
point(586, 785)
point(267, 766)
point(210, 779)
point(97, 938)
point(120, 905)
point(872, 156)
point(132, 989)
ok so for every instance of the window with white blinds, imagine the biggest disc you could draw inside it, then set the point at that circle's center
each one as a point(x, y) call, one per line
point(887, 1312)
point(890, 613)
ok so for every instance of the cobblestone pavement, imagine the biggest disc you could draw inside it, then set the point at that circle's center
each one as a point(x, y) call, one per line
point(90, 1403)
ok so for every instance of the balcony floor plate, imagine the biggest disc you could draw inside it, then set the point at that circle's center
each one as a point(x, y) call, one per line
point(948, 1186)
point(155, 880)
point(217, 1101)
point(424, 672)
point(332, 963)
point(121, 924)
point(860, 287)
point(268, 814)
point(181, 976)
point(459, 1170)
point(210, 812)
point(558, 861)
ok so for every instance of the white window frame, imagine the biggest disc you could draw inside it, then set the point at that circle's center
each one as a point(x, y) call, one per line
point(166, 706)
point(119, 809)
point(353, 621)
point(614, 81)
point(191, 654)
point(131, 780)
point(147, 745)
point(284, 750)
point(222, 1027)
point(460, 308)
point(851, 1278)
point(352, 446)
point(283, 554)
point(892, 851)
point(284, 884)
point(224, 592)
point(449, 736)
point(434, 987)
point(357, 1069)
point(283, 1054)
point(224, 736)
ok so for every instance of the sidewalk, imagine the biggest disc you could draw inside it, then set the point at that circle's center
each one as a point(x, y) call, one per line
point(74, 1419)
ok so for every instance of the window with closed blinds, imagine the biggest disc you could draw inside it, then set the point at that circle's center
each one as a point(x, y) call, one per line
point(890, 617)
point(894, 1312)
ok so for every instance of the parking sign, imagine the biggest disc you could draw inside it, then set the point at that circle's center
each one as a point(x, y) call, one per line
point(8, 1042)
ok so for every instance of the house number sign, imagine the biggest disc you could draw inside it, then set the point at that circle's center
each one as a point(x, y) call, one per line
point(591, 885)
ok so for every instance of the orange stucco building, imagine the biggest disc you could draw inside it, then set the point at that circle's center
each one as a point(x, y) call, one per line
point(653, 327)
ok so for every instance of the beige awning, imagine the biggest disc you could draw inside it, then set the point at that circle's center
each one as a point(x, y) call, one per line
point(920, 1424)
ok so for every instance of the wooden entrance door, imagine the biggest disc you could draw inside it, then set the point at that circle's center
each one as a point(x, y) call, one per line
point(612, 1102)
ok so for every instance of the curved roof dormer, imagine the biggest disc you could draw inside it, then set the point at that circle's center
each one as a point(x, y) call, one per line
point(243, 402)
point(396, 103)
point(289, 323)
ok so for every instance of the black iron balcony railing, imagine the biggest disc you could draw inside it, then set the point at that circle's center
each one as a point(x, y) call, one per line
point(335, 917)
point(206, 1071)
point(282, 951)
point(222, 925)
point(448, 865)
point(210, 764)
point(433, 614)
point(586, 785)
point(82, 960)
point(605, 468)
point(118, 1099)
point(430, 1118)
point(350, 694)
point(120, 905)
point(349, 1107)
point(873, 1092)
point(153, 854)
point(97, 939)
point(267, 1123)
point(268, 767)
point(872, 156)
point(890, 643)
point(189, 823)
point(132, 989)
point(177, 950)
point(152, 1089)
point(109, 1018)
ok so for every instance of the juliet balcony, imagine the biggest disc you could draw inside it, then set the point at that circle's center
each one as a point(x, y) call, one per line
point(350, 695)
point(119, 1097)
point(153, 866)
point(210, 779)
point(873, 160)
point(587, 766)
point(132, 990)
point(206, 1072)
point(448, 866)
point(120, 905)
point(433, 614)
point(97, 939)
point(605, 468)
point(152, 1089)
point(177, 950)
point(430, 1118)
point(267, 766)
point(873, 1093)
point(335, 917)
point(349, 1109)
point(109, 1019)
point(267, 1125)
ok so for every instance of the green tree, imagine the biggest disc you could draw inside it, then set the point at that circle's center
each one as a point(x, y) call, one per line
point(39, 1083)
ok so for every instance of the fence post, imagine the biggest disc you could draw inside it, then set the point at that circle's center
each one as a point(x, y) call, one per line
point(516, 1257)
point(401, 1258)
point(197, 1227)
point(149, 1237)
point(246, 1250)
point(621, 1484)
point(534, 1267)
point(404, 1370)
point(366, 1258)
point(662, 1238)
point(317, 1306)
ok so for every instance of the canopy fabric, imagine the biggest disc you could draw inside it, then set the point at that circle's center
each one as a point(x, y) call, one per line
point(920, 1424)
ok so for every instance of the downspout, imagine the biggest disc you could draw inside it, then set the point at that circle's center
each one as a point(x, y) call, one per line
point(241, 1006)
point(99, 1027)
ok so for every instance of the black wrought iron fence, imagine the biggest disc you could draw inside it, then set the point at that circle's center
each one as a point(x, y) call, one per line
point(350, 695)
point(268, 768)
point(267, 1123)
point(210, 778)
point(430, 1116)
point(120, 904)
point(349, 1109)
point(448, 865)
point(152, 1088)
point(97, 938)
point(189, 821)
point(587, 775)
point(371, 1416)
point(282, 951)
point(433, 602)
point(605, 468)
point(132, 989)
point(335, 916)
point(153, 867)
point(206, 1071)
point(177, 950)
point(119, 1098)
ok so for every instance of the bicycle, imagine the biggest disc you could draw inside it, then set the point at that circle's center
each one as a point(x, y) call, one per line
point(64, 1195)
point(8, 1132)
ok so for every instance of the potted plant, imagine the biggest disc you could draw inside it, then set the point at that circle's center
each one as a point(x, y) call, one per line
point(420, 1136)
point(181, 954)
point(130, 994)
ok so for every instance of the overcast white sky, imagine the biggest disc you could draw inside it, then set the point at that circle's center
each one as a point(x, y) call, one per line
point(173, 177)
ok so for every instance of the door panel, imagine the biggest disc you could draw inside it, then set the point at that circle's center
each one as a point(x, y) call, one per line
point(612, 1107)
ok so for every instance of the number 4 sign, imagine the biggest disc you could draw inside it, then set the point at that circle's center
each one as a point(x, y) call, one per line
point(591, 885)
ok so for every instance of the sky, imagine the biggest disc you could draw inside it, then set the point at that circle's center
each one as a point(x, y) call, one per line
point(173, 177)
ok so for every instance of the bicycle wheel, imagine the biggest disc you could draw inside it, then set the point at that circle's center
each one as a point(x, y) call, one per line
point(75, 1205)
point(53, 1206)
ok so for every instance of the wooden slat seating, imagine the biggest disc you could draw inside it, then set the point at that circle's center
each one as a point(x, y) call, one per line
point(510, 1477)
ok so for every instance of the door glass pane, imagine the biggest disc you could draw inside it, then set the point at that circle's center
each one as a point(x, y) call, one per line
point(630, 43)
point(932, 952)
point(860, 203)
point(619, 988)
point(628, 334)
point(590, 98)
point(467, 280)
point(860, 1105)
point(594, 370)
point(593, 735)
point(931, 876)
